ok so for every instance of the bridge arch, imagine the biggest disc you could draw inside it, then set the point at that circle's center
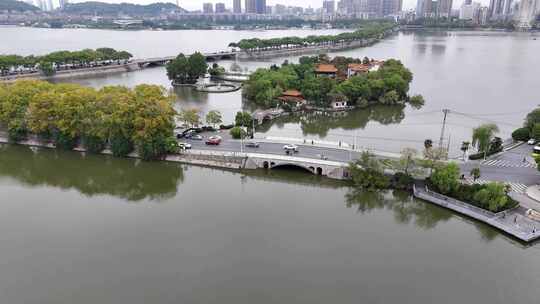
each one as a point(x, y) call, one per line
point(298, 166)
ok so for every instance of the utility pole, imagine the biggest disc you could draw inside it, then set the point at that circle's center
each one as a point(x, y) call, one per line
point(445, 111)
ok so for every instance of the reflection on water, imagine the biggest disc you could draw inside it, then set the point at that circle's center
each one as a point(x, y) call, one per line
point(91, 175)
point(404, 207)
point(320, 123)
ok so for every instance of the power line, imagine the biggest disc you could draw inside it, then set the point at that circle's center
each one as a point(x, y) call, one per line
point(484, 119)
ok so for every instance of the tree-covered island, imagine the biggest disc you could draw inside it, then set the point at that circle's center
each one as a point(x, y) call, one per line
point(50, 63)
point(324, 82)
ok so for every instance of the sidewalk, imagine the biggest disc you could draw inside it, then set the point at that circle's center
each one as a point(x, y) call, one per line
point(533, 193)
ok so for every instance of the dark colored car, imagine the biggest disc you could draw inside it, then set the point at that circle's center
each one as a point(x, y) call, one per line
point(252, 144)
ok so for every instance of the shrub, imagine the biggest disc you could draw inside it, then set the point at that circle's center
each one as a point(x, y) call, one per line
point(237, 133)
point(121, 146)
point(521, 134)
point(446, 179)
point(402, 181)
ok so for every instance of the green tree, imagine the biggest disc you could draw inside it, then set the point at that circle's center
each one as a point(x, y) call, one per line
point(243, 119)
point(536, 131)
point(532, 119)
point(446, 178)
point(417, 101)
point(197, 66)
point(482, 137)
point(494, 196)
point(521, 134)
point(367, 173)
point(214, 117)
point(238, 133)
point(177, 69)
point(190, 117)
point(47, 68)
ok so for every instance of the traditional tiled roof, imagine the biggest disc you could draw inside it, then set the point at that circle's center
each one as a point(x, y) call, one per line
point(292, 93)
point(326, 68)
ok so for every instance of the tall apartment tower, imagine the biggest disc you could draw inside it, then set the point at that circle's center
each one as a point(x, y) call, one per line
point(250, 7)
point(260, 6)
point(237, 6)
point(445, 8)
point(329, 7)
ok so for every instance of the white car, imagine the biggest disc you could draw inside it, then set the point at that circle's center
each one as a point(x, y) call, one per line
point(184, 146)
point(291, 147)
point(531, 141)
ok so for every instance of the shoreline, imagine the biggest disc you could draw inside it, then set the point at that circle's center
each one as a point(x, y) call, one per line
point(510, 221)
point(77, 73)
point(240, 55)
point(523, 229)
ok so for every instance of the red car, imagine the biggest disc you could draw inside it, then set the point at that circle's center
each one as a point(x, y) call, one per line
point(213, 140)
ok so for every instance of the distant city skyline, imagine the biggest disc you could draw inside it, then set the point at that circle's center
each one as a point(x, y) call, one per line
point(198, 4)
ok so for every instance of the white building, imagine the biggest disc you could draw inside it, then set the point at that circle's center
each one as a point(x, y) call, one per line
point(469, 11)
point(528, 11)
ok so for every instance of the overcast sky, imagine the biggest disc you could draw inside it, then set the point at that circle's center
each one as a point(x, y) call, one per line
point(197, 4)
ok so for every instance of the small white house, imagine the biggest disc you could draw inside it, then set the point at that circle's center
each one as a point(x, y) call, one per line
point(339, 105)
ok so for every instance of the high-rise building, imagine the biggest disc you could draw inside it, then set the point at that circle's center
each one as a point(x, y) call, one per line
point(469, 11)
point(251, 7)
point(374, 8)
point(208, 8)
point(329, 7)
point(220, 8)
point(346, 7)
point(50, 5)
point(528, 10)
point(391, 7)
point(237, 6)
point(63, 3)
point(424, 8)
point(260, 6)
point(279, 9)
point(445, 8)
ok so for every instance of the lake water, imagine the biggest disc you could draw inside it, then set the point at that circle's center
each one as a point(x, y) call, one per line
point(95, 229)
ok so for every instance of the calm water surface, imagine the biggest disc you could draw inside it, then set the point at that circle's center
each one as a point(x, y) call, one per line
point(95, 229)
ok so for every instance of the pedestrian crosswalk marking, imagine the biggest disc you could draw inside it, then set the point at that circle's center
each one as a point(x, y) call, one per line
point(508, 164)
point(516, 187)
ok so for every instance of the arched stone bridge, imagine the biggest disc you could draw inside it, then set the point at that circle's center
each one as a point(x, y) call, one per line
point(331, 169)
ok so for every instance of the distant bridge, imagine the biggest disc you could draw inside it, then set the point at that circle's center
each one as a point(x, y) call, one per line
point(158, 61)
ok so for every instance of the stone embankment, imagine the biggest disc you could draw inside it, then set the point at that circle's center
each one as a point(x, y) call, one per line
point(76, 73)
point(202, 158)
point(513, 221)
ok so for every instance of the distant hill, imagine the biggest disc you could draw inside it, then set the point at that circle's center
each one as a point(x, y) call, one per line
point(100, 8)
point(19, 6)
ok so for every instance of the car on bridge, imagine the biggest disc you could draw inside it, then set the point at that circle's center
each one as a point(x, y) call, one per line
point(252, 144)
point(195, 137)
point(184, 146)
point(290, 148)
point(213, 140)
